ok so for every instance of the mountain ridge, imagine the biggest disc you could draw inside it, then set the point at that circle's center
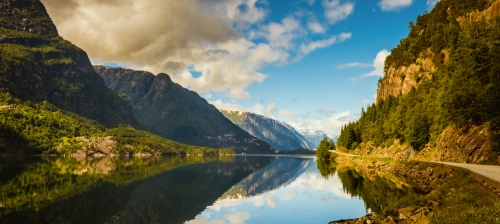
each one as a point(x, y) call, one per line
point(176, 113)
point(278, 134)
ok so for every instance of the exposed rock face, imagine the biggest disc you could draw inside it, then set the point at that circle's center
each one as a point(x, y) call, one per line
point(475, 16)
point(462, 146)
point(400, 81)
point(469, 146)
point(176, 113)
point(38, 65)
point(278, 134)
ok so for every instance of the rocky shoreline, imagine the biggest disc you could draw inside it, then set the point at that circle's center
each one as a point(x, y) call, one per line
point(432, 179)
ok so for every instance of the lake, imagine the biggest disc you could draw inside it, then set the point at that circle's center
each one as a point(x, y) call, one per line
point(188, 189)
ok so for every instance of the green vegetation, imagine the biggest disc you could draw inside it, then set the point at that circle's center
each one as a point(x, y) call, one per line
point(42, 128)
point(142, 141)
point(37, 65)
point(174, 112)
point(460, 198)
point(39, 183)
point(53, 102)
point(464, 90)
point(298, 152)
point(322, 152)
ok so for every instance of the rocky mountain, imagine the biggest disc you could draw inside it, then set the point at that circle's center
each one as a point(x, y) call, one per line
point(278, 134)
point(53, 102)
point(36, 65)
point(313, 136)
point(440, 94)
point(176, 113)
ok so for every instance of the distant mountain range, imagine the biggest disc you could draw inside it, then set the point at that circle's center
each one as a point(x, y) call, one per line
point(313, 136)
point(169, 110)
point(278, 134)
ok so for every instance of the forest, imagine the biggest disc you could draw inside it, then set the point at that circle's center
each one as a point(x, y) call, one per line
point(464, 90)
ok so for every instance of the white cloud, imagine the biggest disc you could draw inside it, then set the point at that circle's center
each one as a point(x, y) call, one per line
point(315, 27)
point(287, 114)
point(271, 108)
point(237, 218)
point(431, 3)
point(219, 104)
point(353, 64)
point(174, 37)
point(330, 124)
point(336, 11)
point(391, 5)
point(281, 35)
point(307, 48)
point(378, 65)
point(366, 101)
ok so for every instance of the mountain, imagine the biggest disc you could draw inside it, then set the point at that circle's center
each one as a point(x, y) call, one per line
point(313, 136)
point(440, 95)
point(278, 134)
point(176, 113)
point(38, 65)
point(53, 102)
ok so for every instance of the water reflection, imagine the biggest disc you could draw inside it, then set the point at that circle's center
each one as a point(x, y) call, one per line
point(241, 189)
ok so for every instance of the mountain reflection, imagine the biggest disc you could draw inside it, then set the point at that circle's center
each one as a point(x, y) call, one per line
point(280, 172)
point(117, 189)
point(236, 189)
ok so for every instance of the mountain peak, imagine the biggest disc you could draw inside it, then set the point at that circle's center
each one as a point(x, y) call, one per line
point(26, 16)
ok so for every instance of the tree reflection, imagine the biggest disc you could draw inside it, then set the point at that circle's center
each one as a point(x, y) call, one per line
point(376, 191)
point(326, 168)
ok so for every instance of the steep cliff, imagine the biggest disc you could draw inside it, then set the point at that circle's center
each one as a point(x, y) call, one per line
point(278, 134)
point(440, 94)
point(36, 64)
point(401, 80)
point(176, 113)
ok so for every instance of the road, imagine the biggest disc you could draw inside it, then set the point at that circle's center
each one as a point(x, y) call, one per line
point(492, 172)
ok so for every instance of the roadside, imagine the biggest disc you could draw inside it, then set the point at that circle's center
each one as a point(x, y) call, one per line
point(450, 194)
point(487, 174)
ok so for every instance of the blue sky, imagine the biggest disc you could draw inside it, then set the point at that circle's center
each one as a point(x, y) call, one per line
point(310, 63)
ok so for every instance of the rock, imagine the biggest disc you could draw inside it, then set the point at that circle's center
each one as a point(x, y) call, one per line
point(413, 215)
point(400, 81)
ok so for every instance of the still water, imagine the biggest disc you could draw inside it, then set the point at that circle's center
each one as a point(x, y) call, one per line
point(235, 189)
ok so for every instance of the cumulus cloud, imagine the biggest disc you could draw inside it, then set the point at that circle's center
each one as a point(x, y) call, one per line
point(287, 114)
point(391, 5)
point(271, 108)
point(237, 218)
point(315, 27)
point(175, 37)
point(325, 120)
point(336, 11)
point(281, 35)
point(378, 65)
point(191, 37)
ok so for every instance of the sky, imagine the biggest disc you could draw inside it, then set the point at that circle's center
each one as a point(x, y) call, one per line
point(310, 63)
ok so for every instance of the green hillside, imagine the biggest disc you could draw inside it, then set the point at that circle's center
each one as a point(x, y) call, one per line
point(174, 112)
point(53, 102)
point(455, 87)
